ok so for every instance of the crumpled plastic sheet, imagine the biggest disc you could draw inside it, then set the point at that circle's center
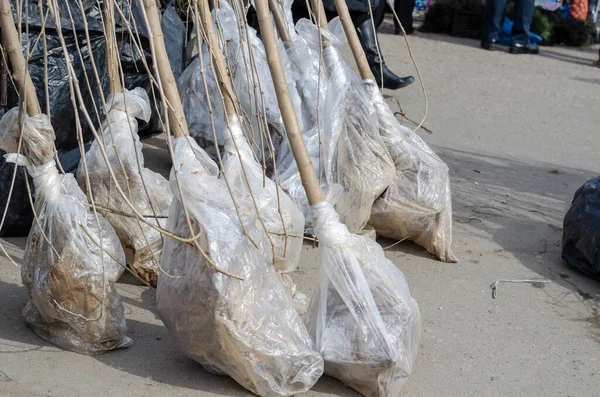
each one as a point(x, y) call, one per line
point(354, 155)
point(253, 84)
point(418, 204)
point(362, 318)
point(289, 177)
point(301, 64)
point(195, 105)
point(147, 191)
point(69, 279)
point(278, 212)
point(244, 328)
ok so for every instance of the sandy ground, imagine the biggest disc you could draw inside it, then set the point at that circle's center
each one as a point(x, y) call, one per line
point(519, 134)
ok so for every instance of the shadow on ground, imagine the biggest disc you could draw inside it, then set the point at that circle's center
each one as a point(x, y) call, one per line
point(587, 56)
point(450, 39)
point(521, 206)
point(154, 354)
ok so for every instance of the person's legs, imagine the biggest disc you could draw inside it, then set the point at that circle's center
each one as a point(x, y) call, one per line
point(368, 40)
point(520, 32)
point(522, 21)
point(379, 13)
point(404, 9)
point(493, 16)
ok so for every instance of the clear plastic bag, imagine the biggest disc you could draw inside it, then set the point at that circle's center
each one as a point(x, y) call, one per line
point(354, 156)
point(146, 190)
point(302, 72)
point(252, 82)
point(418, 204)
point(244, 328)
point(289, 177)
point(195, 105)
point(72, 300)
point(278, 212)
point(362, 317)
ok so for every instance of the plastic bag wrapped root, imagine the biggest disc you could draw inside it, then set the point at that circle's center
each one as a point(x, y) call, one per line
point(280, 215)
point(72, 300)
point(244, 328)
point(362, 317)
point(418, 204)
point(282, 219)
point(354, 156)
point(148, 191)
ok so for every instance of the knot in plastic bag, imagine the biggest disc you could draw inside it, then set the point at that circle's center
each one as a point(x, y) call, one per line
point(36, 133)
point(374, 92)
point(134, 103)
point(327, 226)
point(46, 178)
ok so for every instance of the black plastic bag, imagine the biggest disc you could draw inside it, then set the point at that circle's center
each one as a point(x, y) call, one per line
point(62, 114)
point(175, 35)
point(581, 230)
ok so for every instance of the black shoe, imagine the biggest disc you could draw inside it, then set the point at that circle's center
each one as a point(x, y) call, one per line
point(368, 40)
point(523, 49)
point(390, 80)
point(488, 44)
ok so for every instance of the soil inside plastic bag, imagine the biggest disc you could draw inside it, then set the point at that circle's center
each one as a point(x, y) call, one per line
point(417, 205)
point(147, 191)
point(244, 328)
point(362, 317)
point(69, 278)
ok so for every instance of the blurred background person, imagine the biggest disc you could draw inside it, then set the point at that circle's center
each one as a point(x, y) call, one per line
point(493, 17)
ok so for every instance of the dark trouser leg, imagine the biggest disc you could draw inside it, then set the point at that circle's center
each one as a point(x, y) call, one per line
point(522, 23)
point(494, 13)
point(368, 40)
point(404, 9)
point(379, 13)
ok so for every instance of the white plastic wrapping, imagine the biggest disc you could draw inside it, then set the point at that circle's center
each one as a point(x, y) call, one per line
point(244, 328)
point(289, 177)
point(278, 212)
point(72, 301)
point(362, 317)
point(247, 61)
point(418, 204)
point(146, 190)
point(301, 64)
point(353, 154)
point(195, 106)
